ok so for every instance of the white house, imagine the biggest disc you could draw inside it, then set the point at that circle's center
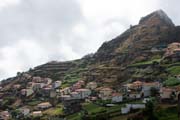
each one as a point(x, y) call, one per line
point(25, 111)
point(37, 113)
point(27, 92)
point(37, 79)
point(145, 100)
point(146, 88)
point(66, 97)
point(65, 91)
point(125, 110)
point(105, 93)
point(53, 94)
point(16, 86)
point(117, 97)
point(75, 95)
point(37, 86)
point(134, 95)
point(44, 105)
point(84, 93)
point(165, 93)
point(47, 90)
point(5, 115)
point(56, 84)
point(91, 85)
point(48, 81)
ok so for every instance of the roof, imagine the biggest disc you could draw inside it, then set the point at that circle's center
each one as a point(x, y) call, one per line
point(116, 94)
point(4, 112)
point(175, 43)
point(17, 85)
point(106, 89)
point(24, 107)
point(164, 89)
point(74, 93)
point(151, 83)
point(177, 88)
point(81, 81)
point(138, 82)
point(37, 112)
point(79, 90)
point(58, 82)
point(47, 88)
point(92, 83)
point(67, 96)
point(23, 90)
point(128, 85)
point(178, 49)
point(44, 104)
point(66, 88)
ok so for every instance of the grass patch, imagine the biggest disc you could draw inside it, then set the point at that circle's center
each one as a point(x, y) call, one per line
point(171, 81)
point(93, 108)
point(33, 103)
point(53, 111)
point(75, 116)
point(145, 62)
point(168, 114)
point(175, 70)
point(116, 108)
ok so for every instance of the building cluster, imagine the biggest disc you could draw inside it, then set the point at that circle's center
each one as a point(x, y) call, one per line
point(72, 97)
point(26, 88)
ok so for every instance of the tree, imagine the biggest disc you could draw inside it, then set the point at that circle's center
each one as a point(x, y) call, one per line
point(154, 92)
point(149, 111)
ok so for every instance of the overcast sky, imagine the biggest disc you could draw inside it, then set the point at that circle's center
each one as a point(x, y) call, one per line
point(33, 32)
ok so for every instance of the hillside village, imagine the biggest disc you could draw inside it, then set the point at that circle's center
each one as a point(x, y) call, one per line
point(120, 81)
point(35, 96)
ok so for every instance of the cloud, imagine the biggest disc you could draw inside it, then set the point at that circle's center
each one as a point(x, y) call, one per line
point(172, 9)
point(6, 3)
point(34, 31)
point(20, 56)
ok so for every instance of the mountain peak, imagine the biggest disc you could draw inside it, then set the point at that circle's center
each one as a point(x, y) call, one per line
point(158, 17)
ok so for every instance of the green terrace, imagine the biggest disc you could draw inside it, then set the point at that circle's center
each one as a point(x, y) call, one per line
point(171, 81)
point(174, 70)
point(169, 113)
point(145, 63)
point(94, 109)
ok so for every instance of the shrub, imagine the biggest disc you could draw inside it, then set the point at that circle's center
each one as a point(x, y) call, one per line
point(171, 81)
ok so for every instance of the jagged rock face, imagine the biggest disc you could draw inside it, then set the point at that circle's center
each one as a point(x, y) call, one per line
point(158, 17)
point(154, 30)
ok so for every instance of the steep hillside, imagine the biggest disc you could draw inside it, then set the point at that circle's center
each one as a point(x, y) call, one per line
point(143, 42)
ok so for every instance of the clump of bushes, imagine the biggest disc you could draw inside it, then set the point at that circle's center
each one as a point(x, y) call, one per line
point(171, 81)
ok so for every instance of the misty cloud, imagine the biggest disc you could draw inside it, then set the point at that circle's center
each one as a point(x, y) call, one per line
point(32, 32)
